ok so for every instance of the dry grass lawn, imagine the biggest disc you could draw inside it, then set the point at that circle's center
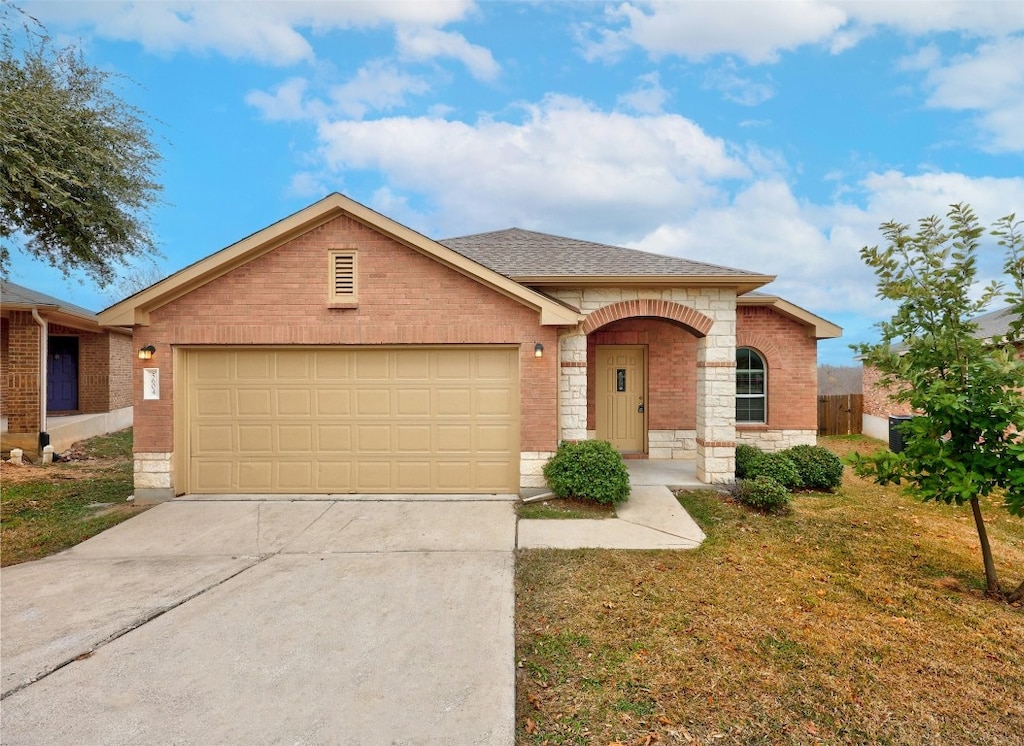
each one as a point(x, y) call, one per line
point(856, 618)
point(47, 508)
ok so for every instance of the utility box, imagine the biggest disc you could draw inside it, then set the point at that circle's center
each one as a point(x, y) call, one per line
point(896, 422)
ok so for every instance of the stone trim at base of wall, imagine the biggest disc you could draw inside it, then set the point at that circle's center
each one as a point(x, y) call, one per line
point(776, 440)
point(875, 427)
point(153, 471)
point(671, 444)
point(531, 468)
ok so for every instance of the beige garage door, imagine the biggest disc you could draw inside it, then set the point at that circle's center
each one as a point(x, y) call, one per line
point(298, 420)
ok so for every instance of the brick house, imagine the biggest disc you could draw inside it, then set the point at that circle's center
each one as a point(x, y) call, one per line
point(879, 405)
point(63, 377)
point(339, 351)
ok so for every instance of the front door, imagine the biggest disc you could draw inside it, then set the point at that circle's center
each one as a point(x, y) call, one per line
point(62, 374)
point(621, 392)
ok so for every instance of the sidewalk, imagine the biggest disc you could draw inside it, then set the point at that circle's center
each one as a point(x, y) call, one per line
point(652, 518)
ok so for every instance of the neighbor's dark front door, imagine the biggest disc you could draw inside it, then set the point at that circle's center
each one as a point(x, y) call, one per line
point(62, 374)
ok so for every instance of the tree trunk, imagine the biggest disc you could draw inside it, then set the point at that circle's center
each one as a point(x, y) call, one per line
point(1017, 595)
point(986, 549)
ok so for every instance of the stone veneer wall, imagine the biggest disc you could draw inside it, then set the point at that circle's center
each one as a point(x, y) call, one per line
point(777, 440)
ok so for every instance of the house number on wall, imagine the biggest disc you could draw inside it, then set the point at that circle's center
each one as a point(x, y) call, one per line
point(150, 383)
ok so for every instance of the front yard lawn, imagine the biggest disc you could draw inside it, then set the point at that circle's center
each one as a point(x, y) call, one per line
point(47, 508)
point(856, 618)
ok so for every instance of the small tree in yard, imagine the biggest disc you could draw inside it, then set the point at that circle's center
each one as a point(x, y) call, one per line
point(969, 438)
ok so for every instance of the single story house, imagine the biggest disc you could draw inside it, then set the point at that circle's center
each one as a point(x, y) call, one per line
point(63, 377)
point(879, 405)
point(338, 351)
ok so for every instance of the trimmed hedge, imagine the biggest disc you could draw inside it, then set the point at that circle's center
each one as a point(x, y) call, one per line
point(819, 468)
point(778, 466)
point(745, 456)
point(763, 493)
point(588, 470)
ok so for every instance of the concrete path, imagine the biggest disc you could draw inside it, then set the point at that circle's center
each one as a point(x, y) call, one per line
point(652, 518)
point(257, 621)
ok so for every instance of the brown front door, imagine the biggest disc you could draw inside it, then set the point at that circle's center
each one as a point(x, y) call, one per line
point(621, 389)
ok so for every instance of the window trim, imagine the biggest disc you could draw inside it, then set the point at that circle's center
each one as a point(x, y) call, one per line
point(763, 396)
point(344, 299)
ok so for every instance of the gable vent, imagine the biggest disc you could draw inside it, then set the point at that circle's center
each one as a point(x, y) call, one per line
point(343, 276)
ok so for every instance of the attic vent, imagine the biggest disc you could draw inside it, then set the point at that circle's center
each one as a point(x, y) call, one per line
point(343, 277)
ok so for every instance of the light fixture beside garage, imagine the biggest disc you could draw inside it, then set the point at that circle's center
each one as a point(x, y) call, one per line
point(538, 350)
point(146, 353)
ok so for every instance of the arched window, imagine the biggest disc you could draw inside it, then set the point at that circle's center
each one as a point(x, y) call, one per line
point(750, 386)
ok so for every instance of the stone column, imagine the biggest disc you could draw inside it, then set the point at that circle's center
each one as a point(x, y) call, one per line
point(716, 397)
point(572, 386)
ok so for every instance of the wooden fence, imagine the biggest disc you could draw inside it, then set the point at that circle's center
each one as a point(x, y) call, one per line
point(840, 414)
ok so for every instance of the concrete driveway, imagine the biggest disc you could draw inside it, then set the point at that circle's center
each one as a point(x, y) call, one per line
point(266, 621)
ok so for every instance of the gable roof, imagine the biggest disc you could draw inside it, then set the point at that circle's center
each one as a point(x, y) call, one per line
point(540, 259)
point(14, 297)
point(136, 309)
point(817, 327)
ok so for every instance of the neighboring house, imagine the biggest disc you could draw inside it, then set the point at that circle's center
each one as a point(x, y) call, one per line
point(339, 351)
point(879, 405)
point(58, 364)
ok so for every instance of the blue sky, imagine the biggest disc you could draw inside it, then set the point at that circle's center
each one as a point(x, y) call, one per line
point(770, 136)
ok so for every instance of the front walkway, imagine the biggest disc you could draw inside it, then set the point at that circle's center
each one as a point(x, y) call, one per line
point(652, 518)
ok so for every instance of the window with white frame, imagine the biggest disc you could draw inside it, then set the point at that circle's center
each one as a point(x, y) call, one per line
point(750, 387)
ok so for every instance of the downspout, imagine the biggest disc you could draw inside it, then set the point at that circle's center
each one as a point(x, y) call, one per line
point(43, 341)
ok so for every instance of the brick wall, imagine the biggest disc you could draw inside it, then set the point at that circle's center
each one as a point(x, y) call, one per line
point(119, 363)
point(792, 360)
point(877, 401)
point(404, 298)
point(21, 374)
point(5, 339)
point(671, 370)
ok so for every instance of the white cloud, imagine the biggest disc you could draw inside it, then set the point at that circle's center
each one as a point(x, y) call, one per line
point(737, 88)
point(648, 97)
point(431, 43)
point(286, 103)
point(266, 32)
point(989, 81)
point(758, 32)
point(539, 171)
point(378, 86)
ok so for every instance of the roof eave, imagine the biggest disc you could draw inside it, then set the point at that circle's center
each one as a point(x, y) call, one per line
point(817, 327)
point(743, 283)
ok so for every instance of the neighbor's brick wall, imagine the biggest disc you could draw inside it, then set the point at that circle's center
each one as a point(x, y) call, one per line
point(119, 363)
point(792, 360)
point(21, 374)
point(877, 401)
point(671, 370)
point(5, 340)
point(93, 372)
point(404, 298)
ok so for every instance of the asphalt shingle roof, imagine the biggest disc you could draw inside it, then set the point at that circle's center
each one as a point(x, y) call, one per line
point(516, 252)
point(994, 323)
point(13, 294)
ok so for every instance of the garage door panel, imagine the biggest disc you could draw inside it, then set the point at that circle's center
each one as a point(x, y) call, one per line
point(353, 420)
point(253, 402)
point(256, 439)
point(295, 402)
point(334, 438)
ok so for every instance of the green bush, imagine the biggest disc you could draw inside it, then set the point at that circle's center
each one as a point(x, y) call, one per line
point(763, 493)
point(777, 466)
point(745, 456)
point(819, 468)
point(588, 470)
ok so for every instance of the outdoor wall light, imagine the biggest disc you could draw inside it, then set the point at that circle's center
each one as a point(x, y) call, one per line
point(538, 350)
point(146, 352)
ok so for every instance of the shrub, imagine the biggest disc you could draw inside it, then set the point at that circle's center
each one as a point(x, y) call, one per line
point(588, 470)
point(819, 468)
point(763, 493)
point(777, 466)
point(745, 456)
